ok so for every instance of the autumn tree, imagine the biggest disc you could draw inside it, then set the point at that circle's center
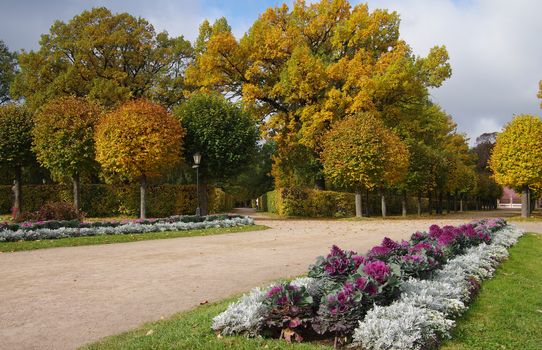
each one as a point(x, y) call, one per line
point(64, 139)
point(223, 133)
point(108, 57)
point(361, 153)
point(137, 140)
point(302, 70)
point(516, 160)
point(8, 62)
point(15, 146)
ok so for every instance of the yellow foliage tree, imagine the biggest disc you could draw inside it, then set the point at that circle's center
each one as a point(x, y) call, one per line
point(63, 139)
point(361, 153)
point(516, 160)
point(303, 69)
point(137, 140)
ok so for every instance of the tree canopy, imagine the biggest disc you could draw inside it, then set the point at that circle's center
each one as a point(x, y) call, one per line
point(15, 136)
point(64, 136)
point(516, 160)
point(8, 64)
point(303, 69)
point(105, 56)
point(361, 153)
point(221, 131)
point(138, 138)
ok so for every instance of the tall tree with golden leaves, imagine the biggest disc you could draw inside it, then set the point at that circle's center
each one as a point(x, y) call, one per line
point(516, 160)
point(361, 153)
point(303, 69)
point(63, 139)
point(137, 140)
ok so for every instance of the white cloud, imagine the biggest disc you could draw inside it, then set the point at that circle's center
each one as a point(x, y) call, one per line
point(494, 51)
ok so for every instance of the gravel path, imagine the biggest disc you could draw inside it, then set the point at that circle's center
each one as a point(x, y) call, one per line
point(62, 298)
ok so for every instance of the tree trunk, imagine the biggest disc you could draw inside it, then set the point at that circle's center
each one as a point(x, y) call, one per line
point(439, 202)
point(76, 192)
point(143, 197)
point(525, 212)
point(367, 212)
point(403, 204)
point(455, 202)
point(359, 212)
point(430, 197)
point(17, 194)
point(419, 204)
point(203, 197)
point(320, 184)
point(383, 203)
point(461, 205)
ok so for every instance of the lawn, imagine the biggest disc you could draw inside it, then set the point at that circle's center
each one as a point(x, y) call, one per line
point(506, 315)
point(109, 239)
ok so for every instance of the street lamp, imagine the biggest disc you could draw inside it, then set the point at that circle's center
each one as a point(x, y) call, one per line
point(197, 160)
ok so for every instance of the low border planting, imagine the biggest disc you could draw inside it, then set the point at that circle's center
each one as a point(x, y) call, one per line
point(401, 295)
point(63, 229)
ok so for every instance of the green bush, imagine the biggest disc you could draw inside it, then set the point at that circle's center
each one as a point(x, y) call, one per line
point(316, 203)
point(98, 200)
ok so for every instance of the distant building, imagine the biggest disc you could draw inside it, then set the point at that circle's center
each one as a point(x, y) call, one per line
point(509, 199)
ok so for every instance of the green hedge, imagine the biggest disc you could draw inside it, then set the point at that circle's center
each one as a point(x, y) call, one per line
point(316, 203)
point(108, 200)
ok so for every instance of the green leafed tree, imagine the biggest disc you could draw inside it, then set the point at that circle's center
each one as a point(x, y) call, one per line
point(15, 146)
point(64, 139)
point(516, 160)
point(109, 57)
point(8, 64)
point(137, 140)
point(223, 133)
point(361, 153)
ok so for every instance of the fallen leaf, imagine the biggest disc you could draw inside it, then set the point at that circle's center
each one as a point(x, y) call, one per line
point(204, 302)
point(149, 332)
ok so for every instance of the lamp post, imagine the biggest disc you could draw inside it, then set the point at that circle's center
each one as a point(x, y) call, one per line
point(197, 160)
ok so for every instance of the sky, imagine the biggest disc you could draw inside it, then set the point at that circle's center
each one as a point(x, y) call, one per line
point(494, 45)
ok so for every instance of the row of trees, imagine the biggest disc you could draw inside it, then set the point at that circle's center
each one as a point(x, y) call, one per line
point(319, 79)
point(345, 100)
point(74, 137)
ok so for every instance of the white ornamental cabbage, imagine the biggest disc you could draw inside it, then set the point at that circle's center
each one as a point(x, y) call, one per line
point(401, 326)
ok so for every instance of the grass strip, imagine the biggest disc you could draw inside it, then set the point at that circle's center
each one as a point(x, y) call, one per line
point(109, 239)
point(507, 314)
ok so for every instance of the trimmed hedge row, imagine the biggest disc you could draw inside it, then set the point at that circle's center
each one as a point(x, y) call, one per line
point(316, 203)
point(100, 200)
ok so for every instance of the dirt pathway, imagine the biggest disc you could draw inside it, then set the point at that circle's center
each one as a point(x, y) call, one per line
point(63, 298)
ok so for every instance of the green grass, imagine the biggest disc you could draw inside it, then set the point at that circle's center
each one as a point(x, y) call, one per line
point(109, 239)
point(507, 314)
point(192, 330)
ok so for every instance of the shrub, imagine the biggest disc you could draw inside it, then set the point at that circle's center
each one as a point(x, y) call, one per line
point(99, 200)
point(53, 211)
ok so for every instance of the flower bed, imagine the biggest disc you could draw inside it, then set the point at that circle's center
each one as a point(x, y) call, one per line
point(30, 231)
point(401, 295)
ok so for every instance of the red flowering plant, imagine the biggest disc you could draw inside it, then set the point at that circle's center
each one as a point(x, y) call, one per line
point(337, 265)
point(291, 309)
point(341, 310)
point(388, 249)
point(379, 281)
